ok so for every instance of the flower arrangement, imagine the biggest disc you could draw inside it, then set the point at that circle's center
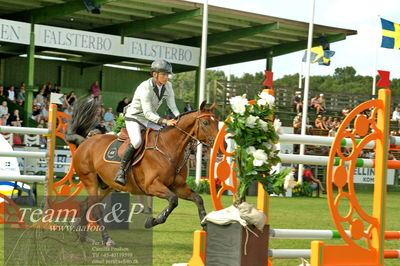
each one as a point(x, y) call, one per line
point(255, 135)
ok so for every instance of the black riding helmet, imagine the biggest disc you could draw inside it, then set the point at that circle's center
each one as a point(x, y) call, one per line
point(161, 65)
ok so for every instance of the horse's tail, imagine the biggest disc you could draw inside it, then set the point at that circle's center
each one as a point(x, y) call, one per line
point(85, 116)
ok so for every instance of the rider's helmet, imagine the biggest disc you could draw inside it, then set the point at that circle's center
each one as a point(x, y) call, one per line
point(161, 65)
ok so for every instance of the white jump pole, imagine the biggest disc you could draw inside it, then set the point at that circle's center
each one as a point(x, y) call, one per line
point(24, 130)
point(26, 154)
point(24, 178)
point(289, 253)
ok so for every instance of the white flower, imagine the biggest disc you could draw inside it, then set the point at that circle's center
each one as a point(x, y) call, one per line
point(238, 104)
point(263, 124)
point(260, 157)
point(289, 181)
point(250, 150)
point(277, 126)
point(251, 121)
point(261, 102)
point(268, 98)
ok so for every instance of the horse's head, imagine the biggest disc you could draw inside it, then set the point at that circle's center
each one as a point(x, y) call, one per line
point(206, 127)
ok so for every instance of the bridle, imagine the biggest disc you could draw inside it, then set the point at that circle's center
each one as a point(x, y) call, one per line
point(209, 139)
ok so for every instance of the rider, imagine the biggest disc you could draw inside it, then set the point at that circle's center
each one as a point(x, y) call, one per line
point(142, 111)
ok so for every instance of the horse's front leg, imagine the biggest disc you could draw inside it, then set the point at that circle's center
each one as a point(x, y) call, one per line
point(158, 189)
point(183, 191)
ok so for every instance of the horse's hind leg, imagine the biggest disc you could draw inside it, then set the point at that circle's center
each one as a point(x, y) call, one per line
point(185, 192)
point(161, 191)
point(96, 213)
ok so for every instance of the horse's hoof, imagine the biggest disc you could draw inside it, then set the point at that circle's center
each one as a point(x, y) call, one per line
point(149, 222)
point(110, 243)
point(204, 227)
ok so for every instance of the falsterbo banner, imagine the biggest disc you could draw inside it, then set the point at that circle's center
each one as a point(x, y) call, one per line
point(98, 43)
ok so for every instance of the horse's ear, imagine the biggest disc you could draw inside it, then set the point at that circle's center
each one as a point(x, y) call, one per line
point(203, 106)
point(212, 107)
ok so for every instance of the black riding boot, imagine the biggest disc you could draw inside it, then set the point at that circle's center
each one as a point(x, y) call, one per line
point(120, 177)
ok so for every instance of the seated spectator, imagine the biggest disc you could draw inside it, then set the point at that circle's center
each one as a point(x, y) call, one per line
point(315, 103)
point(121, 105)
point(48, 90)
point(4, 108)
point(345, 111)
point(297, 121)
point(40, 96)
point(3, 120)
point(95, 90)
point(71, 98)
point(101, 127)
point(109, 117)
point(44, 111)
point(188, 108)
point(20, 103)
point(10, 93)
point(321, 100)
point(329, 122)
point(36, 112)
point(14, 119)
point(297, 103)
point(21, 95)
point(308, 176)
point(2, 92)
point(319, 123)
point(396, 116)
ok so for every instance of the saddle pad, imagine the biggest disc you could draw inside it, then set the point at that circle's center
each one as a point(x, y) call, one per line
point(111, 154)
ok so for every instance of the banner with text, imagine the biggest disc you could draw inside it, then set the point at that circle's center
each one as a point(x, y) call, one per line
point(367, 176)
point(98, 43)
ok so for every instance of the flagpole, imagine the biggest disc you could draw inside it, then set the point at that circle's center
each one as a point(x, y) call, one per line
point(306, 86)
point(377, 45)
point(203, 65)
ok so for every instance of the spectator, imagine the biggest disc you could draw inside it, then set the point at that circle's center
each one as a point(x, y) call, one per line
point(3, 108)
point(102, 110)
point(11, 94)
point(2, 92)
point(322, 101)
point(71, 98)
point(316, 104)
point(40, 96)
point(121, 105)
point(95, 90)
point(20, 103)
point(396, 116)
point(188, 107)
point(319, 123)
point(3, 120)
point(109, 117)
point(329, 122)
point(14, 119)
point(308, 176)
point(101, 127)
point(297, 124)
point(345, 111)
point(49, 89)
point(21, 95)
point(44, 112)
point(36, 112)
point(296, 102)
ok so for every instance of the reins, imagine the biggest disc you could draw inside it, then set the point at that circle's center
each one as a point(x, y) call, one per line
point(192, 146)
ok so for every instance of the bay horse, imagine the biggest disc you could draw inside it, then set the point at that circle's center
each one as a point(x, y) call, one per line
point(161, 172)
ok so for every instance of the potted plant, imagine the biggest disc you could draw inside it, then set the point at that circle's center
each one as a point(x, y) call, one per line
point(255, 134)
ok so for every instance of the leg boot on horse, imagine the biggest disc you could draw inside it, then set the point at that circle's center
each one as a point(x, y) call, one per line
point(120, 177)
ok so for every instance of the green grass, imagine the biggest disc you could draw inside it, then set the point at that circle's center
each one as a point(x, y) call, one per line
point(172, 241)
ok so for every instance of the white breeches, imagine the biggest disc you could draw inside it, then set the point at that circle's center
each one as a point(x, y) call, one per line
point(133, 129)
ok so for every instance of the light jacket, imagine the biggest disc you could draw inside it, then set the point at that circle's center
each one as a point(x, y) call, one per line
point(146, 102)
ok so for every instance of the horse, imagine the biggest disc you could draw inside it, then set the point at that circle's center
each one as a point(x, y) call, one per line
point(161, 172)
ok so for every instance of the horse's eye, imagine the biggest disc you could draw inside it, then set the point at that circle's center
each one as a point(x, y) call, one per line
point(206, 122)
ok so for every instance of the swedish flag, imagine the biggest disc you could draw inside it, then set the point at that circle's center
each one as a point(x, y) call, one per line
point(390, 34)
point(318, 54)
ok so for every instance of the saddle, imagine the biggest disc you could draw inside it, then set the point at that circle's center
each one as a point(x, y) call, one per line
point(116, 148)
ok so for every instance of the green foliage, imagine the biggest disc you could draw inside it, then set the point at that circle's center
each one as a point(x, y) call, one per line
point(119, 123)
point(302, 190)
point(202, 188)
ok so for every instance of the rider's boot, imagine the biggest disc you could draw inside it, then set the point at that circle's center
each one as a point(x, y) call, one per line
point(120, 177)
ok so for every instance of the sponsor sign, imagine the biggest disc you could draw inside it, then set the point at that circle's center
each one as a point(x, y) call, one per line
point(98, 43)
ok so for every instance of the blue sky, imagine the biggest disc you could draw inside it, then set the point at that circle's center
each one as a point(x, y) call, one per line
point(357, 51)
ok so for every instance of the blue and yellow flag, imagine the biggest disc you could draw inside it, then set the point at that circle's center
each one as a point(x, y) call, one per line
point(390, 34)
point(318, 54)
